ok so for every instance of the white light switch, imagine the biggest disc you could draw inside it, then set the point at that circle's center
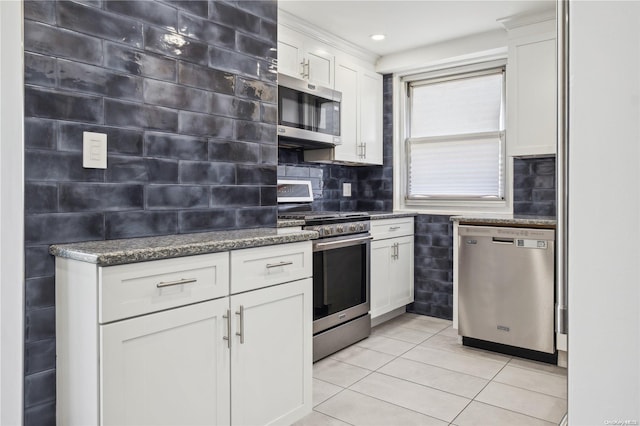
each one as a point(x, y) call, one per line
point(346, 190)
point(94, 150)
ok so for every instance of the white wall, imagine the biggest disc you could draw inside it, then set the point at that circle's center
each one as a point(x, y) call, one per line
point(487, 45)
point(604, 212)
point(11, 213)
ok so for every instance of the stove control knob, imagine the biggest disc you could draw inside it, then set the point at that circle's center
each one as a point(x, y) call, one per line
point(352, 227)
point(327, 230)
point(340, 228)
point(362, 227)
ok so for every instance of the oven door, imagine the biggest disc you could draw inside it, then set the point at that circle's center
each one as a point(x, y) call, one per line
point(340, 280)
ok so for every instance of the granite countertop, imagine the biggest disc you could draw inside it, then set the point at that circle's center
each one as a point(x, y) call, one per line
point(286, 223)
point(506, 219)
point(391, 215)
point(132, 250)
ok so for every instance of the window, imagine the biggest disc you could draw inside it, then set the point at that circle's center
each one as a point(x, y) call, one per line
point(455, 137)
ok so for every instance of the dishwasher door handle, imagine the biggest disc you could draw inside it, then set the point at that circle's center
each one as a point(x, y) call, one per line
point(499, 240)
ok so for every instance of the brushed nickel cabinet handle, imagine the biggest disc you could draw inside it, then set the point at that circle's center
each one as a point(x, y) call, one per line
point(275, 265)
point(394, 228)
point(177, 282)
point(241, 314)
point(227, 316)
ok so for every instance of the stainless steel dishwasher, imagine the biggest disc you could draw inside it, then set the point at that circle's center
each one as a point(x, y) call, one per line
point(506, 290)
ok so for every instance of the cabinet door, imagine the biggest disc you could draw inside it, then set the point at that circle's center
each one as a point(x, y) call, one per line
point(271, 365)
point(289, 61)
point(371, 117)
point(401, 286)
point(391, 274)
point(347, 84)
point(167, 368)
point(531, 79)
point(380, 277)
point(290, 53)
point(319, 62)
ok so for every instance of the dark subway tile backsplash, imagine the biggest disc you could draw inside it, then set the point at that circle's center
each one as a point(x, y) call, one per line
point(58, 42)
point(120, 141)
point(98, 23)
point(206, 78)
point(534, 183)
point(98, 81)
point(136, 62)
point(191, 143)
point(142, 170)
point(176, 197)
point(40, 70)
point(62, 105)
point(167, 42)
point(135, 115)
point(207, 31)
point(140, 224)
point(148, 12)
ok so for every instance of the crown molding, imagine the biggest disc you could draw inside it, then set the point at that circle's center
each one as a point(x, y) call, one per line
point(307, 28)
point(520, 20)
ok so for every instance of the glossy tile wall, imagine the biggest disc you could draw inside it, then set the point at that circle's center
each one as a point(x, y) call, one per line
point(433, 266)
point(534, 186)
point(186, 93)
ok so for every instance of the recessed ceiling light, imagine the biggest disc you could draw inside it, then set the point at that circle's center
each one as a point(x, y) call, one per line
point(377, 37)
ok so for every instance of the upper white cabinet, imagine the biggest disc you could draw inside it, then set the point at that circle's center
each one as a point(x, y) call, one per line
point(531, 90)
point(370, 115)
point(360, 117)
point(303, 57)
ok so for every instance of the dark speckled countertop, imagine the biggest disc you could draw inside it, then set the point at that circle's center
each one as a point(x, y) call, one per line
point(132, 250)
point(506, 219)
point(391, 215)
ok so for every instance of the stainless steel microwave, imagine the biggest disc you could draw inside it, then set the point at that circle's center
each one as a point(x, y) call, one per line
point(308, 115)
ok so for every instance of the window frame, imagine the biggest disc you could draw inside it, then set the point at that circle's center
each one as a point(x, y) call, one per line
point(444, 205)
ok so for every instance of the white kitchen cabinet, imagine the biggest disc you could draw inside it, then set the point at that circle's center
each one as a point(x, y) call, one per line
point(305, 58)
point(531, 90)
point(360, 117)
point(275, 326)
point(168, 342)
point(167, 368)
point(392, 265)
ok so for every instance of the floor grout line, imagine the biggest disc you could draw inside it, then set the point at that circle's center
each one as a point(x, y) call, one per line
point(508, 362)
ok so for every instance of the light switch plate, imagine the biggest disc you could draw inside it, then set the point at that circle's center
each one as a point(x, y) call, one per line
point(346, 190)
point(94, 150)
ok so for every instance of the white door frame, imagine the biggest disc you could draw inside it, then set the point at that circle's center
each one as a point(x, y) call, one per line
point(11, 212)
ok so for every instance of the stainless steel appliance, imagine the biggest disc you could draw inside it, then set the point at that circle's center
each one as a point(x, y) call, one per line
point(341, 260)
point(506, 290)
point(308, 115)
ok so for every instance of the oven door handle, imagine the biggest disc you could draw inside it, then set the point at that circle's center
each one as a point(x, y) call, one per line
point(340, 243)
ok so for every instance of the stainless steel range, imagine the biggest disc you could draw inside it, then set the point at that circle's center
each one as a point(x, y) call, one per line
point(341, 258)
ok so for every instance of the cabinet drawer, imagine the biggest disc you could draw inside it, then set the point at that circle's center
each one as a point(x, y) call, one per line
point(141, 288)
point(264, 266)
point(389, 228)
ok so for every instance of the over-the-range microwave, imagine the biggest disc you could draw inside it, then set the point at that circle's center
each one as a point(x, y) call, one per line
point(308, 114)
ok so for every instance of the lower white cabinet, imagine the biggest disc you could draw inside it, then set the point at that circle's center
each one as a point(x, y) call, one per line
point(240, 359)
point(391, 265)
point(270, 362)
point(167, 368)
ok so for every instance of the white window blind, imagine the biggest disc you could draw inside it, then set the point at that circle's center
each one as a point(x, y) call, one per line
point(455, 145)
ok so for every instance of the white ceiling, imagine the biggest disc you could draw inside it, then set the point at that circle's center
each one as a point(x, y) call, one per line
point(408, 24)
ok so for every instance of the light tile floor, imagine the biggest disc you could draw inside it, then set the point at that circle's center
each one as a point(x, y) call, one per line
point(413, 371)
